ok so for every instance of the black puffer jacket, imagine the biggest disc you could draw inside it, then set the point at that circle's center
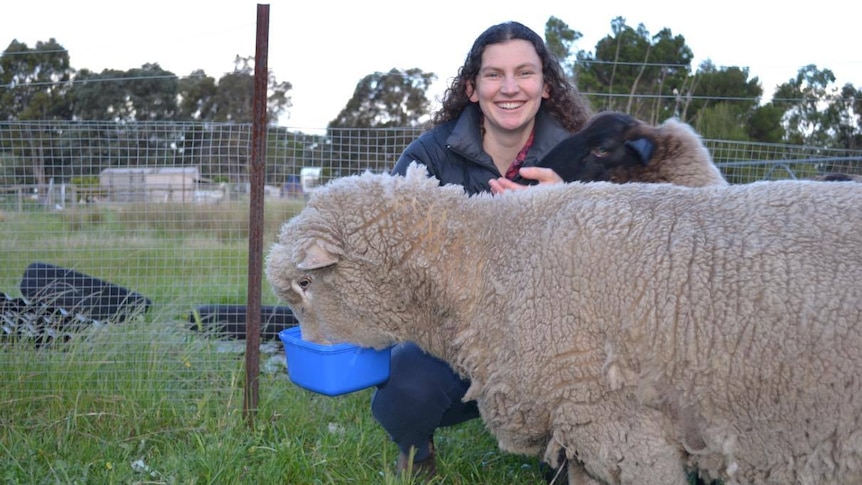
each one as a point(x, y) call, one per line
point(453, 152)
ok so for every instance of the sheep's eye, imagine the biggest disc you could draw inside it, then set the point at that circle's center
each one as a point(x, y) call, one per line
point(599, 152)
point(304, 282)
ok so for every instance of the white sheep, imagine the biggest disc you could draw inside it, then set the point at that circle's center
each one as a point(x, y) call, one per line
point(646, 329)
point(619, 148)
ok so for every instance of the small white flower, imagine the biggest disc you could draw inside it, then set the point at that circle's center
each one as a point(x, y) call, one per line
point(335, 428)
point(140, 467)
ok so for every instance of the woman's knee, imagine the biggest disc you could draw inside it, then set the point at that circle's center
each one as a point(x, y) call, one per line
point(419, 385)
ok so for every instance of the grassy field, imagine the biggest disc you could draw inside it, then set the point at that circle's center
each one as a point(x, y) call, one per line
point(150, 402)
point(171, 412)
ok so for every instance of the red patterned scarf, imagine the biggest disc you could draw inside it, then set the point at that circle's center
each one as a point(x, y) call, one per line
point(512, 172)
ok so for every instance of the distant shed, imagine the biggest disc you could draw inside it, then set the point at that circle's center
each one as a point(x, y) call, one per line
point(150, 184)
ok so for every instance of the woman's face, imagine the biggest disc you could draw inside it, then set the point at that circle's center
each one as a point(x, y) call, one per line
point(510, 86)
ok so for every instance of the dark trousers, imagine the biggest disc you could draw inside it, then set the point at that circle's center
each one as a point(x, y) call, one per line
point(422, 394)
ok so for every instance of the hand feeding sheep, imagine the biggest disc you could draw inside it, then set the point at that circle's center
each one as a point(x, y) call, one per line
point(646, 329)
point(619, 148)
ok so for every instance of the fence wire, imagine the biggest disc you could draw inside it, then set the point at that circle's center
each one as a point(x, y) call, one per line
point(127, 243)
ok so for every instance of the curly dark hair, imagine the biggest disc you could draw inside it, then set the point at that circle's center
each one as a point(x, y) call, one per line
point(565, 103)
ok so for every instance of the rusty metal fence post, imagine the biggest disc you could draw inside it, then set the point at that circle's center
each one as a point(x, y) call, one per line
point(256, 220)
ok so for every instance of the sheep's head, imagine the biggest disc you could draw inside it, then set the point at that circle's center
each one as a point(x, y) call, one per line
point(608, 141)
point(331, 293)
point(334, 263)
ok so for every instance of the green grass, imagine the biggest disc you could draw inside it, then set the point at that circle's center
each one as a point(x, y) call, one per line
point(151, 402)
point(104, 409)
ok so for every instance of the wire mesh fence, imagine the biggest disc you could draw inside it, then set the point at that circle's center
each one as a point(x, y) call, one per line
point(125, 246)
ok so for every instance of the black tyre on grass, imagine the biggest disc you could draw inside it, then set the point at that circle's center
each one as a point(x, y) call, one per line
point(77, 292)
point(229, 321)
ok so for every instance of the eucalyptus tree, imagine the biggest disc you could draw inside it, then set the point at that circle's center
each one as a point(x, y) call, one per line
point(397, 98)
point(234, 93)
point(34, 82)
point(805, 99)
point(843, 114)
point(227, 102)
point(197, 93)
point(394, 99)
point(635, 72)
point(33, 87)
point(719, 101)
point(561, 39)
point(100, 96)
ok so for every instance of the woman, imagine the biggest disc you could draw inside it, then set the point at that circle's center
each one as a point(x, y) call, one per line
point(508, 106)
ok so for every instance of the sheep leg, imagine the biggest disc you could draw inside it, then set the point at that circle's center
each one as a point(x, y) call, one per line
point(650, 457)
point(575, 471)
point(579, 476)
point(618, 442)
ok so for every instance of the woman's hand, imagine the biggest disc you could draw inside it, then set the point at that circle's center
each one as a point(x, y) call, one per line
point(540, 174)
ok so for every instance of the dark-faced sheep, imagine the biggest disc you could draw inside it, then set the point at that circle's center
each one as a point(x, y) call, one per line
point(645, 329)
point(837, 177)
point(619, 148)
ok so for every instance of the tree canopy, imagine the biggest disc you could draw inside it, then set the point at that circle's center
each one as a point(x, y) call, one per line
point(649, 76)
point(34, 83)
point(40, 84)
point(387, 100)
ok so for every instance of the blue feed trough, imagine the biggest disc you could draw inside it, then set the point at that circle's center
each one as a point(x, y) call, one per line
point(332, 369)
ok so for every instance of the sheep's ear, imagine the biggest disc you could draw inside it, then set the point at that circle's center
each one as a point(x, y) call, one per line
point(316, 256)
point(643, 147)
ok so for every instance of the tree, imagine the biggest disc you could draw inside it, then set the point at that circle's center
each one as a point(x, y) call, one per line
point(720, 122)
point(560, 39)
point(395, 99)
point(844, 115)
point(227, 101)
point(35, 82)
point(233, 99)
point(151, 93)
point(148, 93)
point(99, 96)
point(727, 96)
point(803, 99)
point(634, 72)
point(197, 96)
point(235, 91)
point(277, 101)
point(385, 100)
point(732, 85)
point(764, 124)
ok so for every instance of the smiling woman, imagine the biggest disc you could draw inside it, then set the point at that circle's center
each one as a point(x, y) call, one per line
point(509, 91)
point(509, 105)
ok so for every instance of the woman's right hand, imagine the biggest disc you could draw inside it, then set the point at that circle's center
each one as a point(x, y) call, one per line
point(541, 174)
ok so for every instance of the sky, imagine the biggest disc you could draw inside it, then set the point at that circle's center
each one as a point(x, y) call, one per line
point(324, 47)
